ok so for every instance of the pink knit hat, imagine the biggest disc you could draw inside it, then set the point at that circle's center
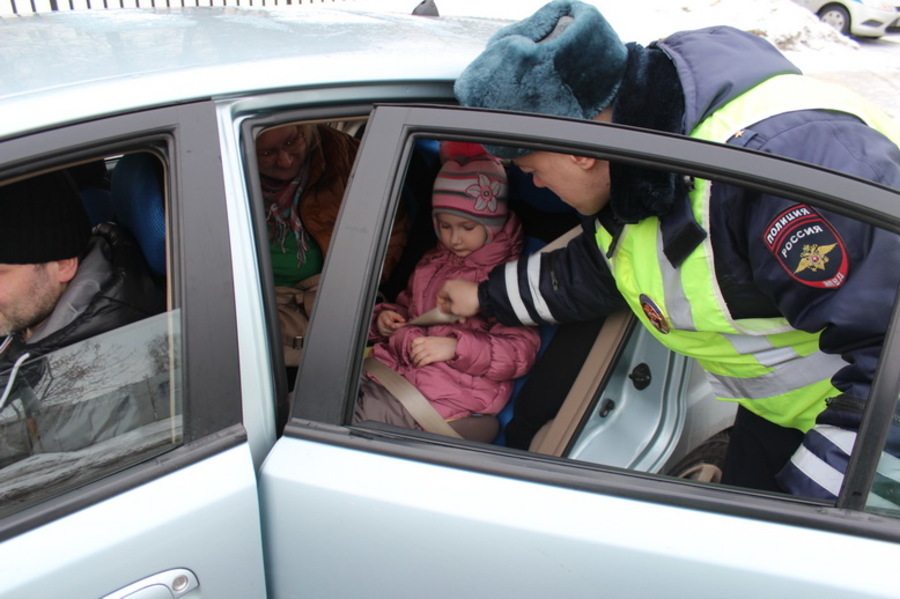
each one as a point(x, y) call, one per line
point(471, 184)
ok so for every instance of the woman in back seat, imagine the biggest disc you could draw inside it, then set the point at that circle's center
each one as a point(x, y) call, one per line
point(304, 171)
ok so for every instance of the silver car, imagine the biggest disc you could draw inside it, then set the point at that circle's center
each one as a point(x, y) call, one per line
point(861, 18)
point(179, 457)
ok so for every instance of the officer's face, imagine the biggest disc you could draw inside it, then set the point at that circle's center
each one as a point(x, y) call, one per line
point(580, 182)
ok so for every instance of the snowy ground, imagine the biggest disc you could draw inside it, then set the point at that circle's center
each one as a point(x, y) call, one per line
point(783, 22)
point(871, 67)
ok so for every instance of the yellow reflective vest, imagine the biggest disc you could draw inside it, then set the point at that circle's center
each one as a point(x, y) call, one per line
point(772, 369)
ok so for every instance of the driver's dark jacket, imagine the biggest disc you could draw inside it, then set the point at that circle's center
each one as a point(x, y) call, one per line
point(672, 85)
point(112, 288)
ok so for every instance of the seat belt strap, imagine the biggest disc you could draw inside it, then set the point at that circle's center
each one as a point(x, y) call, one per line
point(410, 398)
point(433, 317)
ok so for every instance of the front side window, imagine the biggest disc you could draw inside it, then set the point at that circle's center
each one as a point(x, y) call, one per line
point(90, 364)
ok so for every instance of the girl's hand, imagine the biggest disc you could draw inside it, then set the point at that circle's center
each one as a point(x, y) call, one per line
point(388, 322)
point(427, 350)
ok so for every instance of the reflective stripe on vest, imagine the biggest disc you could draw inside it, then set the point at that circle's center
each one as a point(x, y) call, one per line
point(769, 367)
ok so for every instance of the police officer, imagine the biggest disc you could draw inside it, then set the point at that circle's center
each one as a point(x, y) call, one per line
point(784, 305)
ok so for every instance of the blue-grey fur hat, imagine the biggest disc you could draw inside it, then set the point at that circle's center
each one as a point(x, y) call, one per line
point(564, 60)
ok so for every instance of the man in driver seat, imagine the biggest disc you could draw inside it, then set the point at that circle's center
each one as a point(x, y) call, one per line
point(61, 283)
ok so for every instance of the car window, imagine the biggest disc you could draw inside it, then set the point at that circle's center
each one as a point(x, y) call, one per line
point(152, 316)
point(602, 390)
point(884, 496)
point(88, 410)
point(94, 385)
point(630, 403)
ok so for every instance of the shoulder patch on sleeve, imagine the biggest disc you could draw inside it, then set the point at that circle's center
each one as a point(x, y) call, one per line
point(807, 247)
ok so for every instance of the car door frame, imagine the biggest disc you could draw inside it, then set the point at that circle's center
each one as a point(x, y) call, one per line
point(329, 371)
point(186, 487)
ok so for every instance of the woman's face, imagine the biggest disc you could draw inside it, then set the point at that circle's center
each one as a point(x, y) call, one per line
point(280, 152)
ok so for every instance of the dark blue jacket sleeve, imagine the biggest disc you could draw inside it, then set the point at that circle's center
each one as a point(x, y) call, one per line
point(571, 284)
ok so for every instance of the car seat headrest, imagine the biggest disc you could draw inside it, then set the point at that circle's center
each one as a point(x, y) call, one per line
point(137, 194)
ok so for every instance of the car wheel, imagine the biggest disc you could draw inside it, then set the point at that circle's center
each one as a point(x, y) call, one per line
point(705, 462)
point(836, 16)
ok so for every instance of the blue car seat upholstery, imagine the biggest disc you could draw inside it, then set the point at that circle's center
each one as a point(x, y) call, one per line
point(535, 400)
point(92, 182)
point(416, 200)
point(138, 202)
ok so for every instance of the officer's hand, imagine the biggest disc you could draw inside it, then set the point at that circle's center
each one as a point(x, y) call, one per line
point(459, 297)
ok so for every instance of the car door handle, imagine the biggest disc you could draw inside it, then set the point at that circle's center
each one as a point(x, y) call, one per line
point(171, 584)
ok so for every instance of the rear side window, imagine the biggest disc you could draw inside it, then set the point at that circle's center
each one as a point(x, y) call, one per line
point(885, 493)
point(636, 399)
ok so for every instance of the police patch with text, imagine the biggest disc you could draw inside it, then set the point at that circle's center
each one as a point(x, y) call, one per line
point(807, 247)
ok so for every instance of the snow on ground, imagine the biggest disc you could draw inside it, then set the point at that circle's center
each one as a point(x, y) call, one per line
point(783, 22)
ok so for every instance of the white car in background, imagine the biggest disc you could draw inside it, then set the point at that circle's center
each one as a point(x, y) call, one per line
point(162, 459)
point(861, 18)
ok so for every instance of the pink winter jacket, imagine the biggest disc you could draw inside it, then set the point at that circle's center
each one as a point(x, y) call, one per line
point(489, 355)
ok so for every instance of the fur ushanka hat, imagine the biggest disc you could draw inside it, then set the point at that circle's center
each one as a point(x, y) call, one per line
point(564, 60)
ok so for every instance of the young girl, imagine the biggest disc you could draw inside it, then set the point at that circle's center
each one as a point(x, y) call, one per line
point(463, 368)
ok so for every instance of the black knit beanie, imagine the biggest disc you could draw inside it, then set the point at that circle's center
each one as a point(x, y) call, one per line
point(42, 219)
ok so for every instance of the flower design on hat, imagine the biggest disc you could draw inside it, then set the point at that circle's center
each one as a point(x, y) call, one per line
point(484, 193)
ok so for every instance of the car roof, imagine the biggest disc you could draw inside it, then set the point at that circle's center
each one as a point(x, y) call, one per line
point(63, 67)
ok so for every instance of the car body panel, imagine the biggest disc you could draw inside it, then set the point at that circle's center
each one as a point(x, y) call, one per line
point(636, 428)
point(329, 509)
point(106, 62)
point(400, 525)
point(176, 520)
